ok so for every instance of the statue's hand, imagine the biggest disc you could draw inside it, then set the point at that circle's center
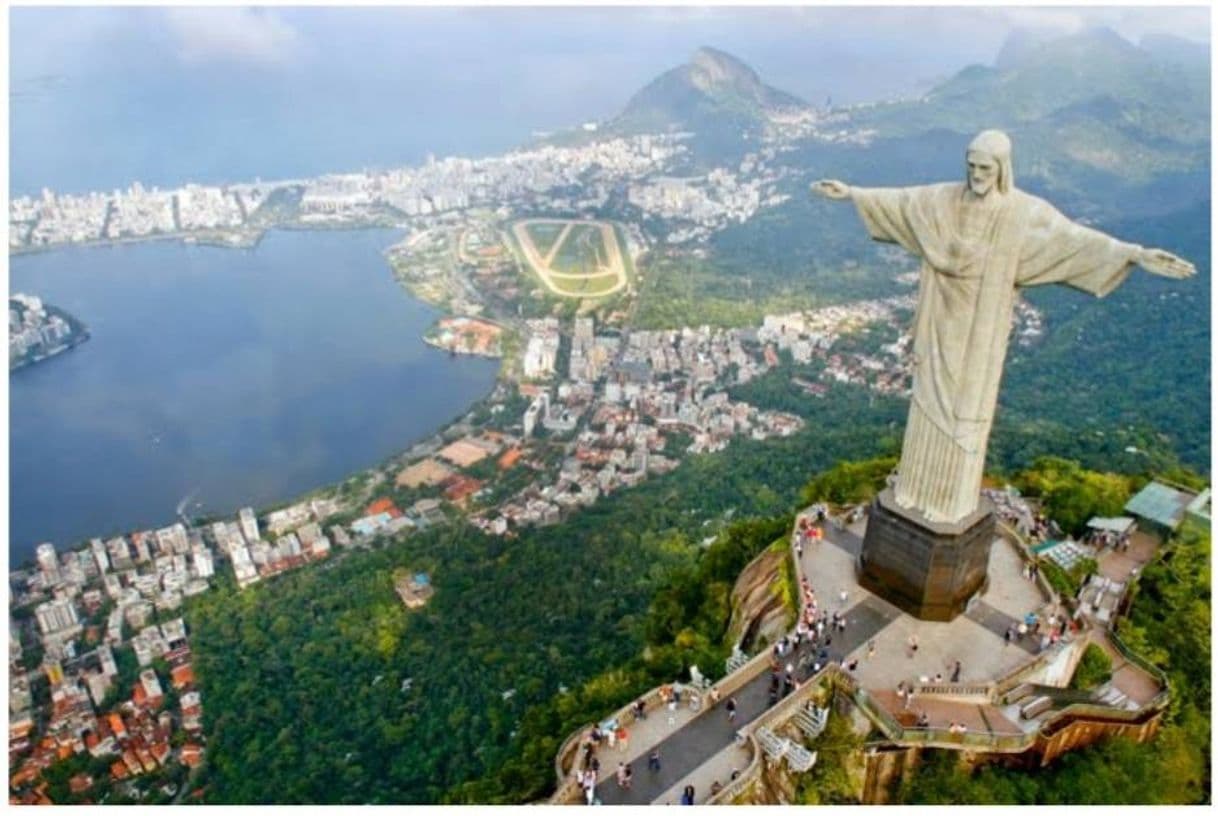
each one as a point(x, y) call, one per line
point(831, 188)
point(1162, 262)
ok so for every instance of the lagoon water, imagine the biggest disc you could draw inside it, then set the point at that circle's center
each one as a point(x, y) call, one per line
point(234, 377)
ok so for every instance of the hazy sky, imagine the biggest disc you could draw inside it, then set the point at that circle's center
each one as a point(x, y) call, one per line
point(561, 48)
point(99, 95)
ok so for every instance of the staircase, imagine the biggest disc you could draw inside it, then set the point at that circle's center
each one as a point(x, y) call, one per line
point(774, 746)
point(1020, 692)
point(799, 758)
point(737, 660)
point(812, 720)
point(1111, 695)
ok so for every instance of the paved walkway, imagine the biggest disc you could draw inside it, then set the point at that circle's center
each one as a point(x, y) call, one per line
point(1123, 565)
point(941, 713)
point(975, 638)
point(1129, 678)
point(706, 736)
point(699, 748)
point(999, 623)
point(718, 768)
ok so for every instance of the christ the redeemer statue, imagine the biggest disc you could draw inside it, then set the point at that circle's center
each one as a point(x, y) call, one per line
point(978, 241)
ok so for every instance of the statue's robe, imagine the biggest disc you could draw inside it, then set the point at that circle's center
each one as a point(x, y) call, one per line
point(975, 252)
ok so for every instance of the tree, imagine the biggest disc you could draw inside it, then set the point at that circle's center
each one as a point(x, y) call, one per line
point(1094, 669)
point(1071, 495)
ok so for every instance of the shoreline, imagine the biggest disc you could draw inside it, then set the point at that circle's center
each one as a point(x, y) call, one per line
point(318, 492)
point(58, 350)
point(486, 355)
point(188, 238)
point(236, 239)
point(332, 486)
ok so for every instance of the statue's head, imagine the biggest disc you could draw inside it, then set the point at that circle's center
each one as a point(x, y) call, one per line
point(988, 163)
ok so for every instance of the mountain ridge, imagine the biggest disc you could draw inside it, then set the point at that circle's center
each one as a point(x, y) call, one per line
point(712, 93)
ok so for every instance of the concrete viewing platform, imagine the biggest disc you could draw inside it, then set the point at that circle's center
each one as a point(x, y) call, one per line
point(975, 638)
point(707, 750)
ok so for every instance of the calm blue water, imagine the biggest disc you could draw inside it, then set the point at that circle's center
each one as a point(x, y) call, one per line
point(238, 376)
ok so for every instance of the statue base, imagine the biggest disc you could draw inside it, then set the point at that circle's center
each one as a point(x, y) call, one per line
point(927, 569)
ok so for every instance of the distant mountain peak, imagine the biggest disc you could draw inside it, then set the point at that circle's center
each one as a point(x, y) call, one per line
point(1024, 45)
point(1019, 44)
point(713, 91)
point(711, 69)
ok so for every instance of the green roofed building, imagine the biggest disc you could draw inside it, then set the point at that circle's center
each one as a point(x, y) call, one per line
point(1160, 508)
point(1198, 509)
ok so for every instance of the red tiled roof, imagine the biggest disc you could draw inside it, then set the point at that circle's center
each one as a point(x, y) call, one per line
point(192, 754)
point(381, 506)
point(461, 487)
point(28, 773)
point(182, 676)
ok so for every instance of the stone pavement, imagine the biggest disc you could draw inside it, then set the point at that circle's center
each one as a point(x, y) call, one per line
point(1128, 678)
point(975, 638)
point(941, 713)
point(700, 748)
point(643, 735)
point(718, 768)
point(705, 737)
point(1121, 566)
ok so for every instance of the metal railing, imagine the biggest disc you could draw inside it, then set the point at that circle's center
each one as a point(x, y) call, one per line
point(564, 760)
point(1058, 694)
point(997, 742)
point(1137, 659)
point(985, 691)
point(1092, 712)
point(746, 778)
point(1016, 677)
point(784, 710)
point(879, 715)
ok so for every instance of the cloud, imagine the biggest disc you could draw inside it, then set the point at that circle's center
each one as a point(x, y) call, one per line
point(1066, 21)
point(1132, 23)
point(221, 33)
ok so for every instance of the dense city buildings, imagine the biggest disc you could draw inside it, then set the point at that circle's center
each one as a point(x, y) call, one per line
point(37, 331)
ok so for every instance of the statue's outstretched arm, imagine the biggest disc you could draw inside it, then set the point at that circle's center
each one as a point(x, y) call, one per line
point(831, 188)
point(1162, 262)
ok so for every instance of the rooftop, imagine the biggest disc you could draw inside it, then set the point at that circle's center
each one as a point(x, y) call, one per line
point(463, 453)
point(1161, 504)
point(429, 472)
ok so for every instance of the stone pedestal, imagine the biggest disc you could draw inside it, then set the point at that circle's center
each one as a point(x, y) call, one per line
point(928, 569)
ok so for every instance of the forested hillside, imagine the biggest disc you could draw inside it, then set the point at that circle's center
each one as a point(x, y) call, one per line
point(290, 668)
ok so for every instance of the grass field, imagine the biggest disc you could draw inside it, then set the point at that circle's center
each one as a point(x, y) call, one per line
point(582, 253)
point(543, 234)
point(590, 285)
point(573, 258)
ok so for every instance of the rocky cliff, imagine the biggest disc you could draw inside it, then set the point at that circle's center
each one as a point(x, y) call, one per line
point(760, 611)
